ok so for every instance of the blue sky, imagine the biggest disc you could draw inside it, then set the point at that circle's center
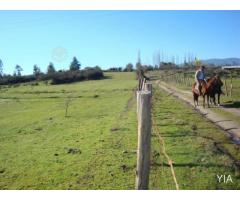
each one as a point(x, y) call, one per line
point(113, 38)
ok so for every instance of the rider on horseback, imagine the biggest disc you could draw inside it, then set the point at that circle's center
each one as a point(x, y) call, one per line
point(200, 77)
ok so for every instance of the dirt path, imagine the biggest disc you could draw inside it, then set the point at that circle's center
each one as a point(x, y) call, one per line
point(233, 111)
point(232, 128)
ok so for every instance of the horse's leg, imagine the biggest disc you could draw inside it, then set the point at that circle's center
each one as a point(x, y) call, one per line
point(203, 101)
point(208, 101)
point(219, 99)
point(194, 100)
point(214, 100)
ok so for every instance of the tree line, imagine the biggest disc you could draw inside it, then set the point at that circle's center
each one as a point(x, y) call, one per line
point(130, 68)
point(73, 74)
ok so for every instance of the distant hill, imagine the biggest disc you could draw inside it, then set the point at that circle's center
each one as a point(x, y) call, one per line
point(223, 61)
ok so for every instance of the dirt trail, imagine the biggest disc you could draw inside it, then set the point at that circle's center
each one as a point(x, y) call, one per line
point(233, 111)
point(232, 128)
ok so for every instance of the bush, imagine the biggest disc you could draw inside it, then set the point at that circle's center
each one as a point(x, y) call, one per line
point(66, 77)
point(74, 76)
point(8, 80)
point(92, 74)
point(59, 77)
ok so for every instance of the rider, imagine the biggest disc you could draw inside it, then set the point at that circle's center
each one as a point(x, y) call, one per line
point(200, 76)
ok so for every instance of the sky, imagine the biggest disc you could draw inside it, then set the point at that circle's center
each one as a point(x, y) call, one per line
point(114, 38)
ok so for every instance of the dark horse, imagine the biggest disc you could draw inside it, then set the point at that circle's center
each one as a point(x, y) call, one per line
point(216, 89)
point(208, 89)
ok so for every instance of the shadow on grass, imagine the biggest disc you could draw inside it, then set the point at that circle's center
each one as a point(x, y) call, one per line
point(176, 135)
point(29, 98)
point(190, 165)
point(107, 77)
point(227, 120)
point(235, 104)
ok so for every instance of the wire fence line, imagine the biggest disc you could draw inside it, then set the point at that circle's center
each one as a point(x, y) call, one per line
point(163, 150)
point(146, 122)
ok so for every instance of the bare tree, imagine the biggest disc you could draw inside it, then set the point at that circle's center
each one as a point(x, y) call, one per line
point(1, 68)
point(67, 104)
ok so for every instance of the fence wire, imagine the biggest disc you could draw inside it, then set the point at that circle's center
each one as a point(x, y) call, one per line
point(163, 149)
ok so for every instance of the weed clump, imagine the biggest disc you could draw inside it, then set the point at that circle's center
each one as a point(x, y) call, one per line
point(194, 127)
point(74, 151)
point(114, 129)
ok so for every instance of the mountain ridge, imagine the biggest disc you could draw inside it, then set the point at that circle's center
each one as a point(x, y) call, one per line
point(222, 61)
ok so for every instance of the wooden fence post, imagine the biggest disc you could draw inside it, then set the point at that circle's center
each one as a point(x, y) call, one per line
point(148, 87)
point(144, 140)
point(225, 84)
point(137, 102)
point(143, 83)
point(231, 85)
point(139, 83)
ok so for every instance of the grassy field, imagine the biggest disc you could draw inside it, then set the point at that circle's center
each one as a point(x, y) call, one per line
point(199, 150)
point(94, 147)
point(43, 149)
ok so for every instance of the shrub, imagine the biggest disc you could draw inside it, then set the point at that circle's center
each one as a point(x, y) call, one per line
point(8, 80)
point(59, 77)
point(73, 76)
point(92, 74)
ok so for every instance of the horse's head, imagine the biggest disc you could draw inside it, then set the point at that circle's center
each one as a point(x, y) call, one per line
point(218, 81)
point(214, 84)
point(211, 80)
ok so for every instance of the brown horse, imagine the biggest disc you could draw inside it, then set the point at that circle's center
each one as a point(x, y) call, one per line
point(203, 87)
point(208, 89)
point(216, 89)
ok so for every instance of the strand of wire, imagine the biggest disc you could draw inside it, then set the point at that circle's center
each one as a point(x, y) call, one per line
point(170, 162)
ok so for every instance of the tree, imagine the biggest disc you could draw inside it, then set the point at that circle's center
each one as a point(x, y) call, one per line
point(1, 68)
point(97, 67)
point(18, 70)
point(51, 69)
point(138, 64)
point(129, 67)
point(36, 70)
point(75, 65)
point(198, 62)
point(156, 67)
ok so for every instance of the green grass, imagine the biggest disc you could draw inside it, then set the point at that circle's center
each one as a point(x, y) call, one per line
point(226, 114)
point(94, 147)
point(199, 150)
point(36, 138)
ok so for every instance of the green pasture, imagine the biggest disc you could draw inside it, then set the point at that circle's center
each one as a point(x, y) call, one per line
point(94, 145)
point(43, 149)
point(199, 150)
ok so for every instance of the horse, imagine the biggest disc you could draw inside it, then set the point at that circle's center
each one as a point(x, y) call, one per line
point(203, 87)
point(208, 89)
point(216, 89)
